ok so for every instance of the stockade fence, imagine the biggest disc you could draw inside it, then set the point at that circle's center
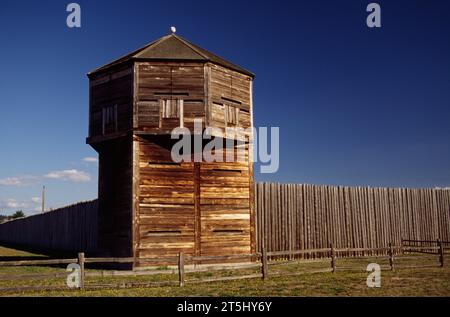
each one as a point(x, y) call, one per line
point(288, 217)
point(71, 228)
point(330, 255)
point(301, 217)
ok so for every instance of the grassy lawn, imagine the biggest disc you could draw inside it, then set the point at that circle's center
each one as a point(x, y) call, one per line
point(405, 282)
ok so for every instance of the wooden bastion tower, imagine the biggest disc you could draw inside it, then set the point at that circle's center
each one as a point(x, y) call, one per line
point(149, 205)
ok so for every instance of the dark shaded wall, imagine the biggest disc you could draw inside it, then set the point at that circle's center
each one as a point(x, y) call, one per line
point(71, 228)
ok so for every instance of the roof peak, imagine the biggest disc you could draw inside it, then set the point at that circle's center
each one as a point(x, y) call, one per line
point(173, 47)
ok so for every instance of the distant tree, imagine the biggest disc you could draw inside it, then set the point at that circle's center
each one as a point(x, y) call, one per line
point(3, 218)
point(18, 214)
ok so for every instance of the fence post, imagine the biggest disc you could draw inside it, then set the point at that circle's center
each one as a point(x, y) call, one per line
point(264, 264)
point(441, 252)
point(391, 256)
point(181, 268)
point(81, 264)
point(402, 248)
point(333, 258)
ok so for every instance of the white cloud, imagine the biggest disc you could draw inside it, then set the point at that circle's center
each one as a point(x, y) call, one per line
point(36, 200)
point(69, 175)
point(18, 181)
point(442, 188)
point(10, 181)
point(90, 159)
point(12, 204)
point(73, 175)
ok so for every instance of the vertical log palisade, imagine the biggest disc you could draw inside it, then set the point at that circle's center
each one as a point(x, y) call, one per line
point(149, 205)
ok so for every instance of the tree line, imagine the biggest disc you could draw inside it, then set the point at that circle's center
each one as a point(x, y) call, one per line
point(17, 214)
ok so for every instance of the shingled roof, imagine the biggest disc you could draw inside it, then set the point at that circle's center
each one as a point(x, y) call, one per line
point(173, 47)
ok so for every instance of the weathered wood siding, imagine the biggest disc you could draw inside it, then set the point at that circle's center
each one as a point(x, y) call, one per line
point(158, 82)
point(195, 208)
point(228, 91)
point(166, 216)
point(109, 89)
point(225, 208)
point(72, 228)
point(115, 197)
point(291, 217)
point(211, 93)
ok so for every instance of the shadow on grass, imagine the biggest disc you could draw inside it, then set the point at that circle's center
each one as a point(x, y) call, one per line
point(27, 253)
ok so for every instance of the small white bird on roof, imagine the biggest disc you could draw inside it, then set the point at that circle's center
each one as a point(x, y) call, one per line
point(173, 29)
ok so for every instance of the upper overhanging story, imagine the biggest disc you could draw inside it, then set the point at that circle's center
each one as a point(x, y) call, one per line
point(167, 84)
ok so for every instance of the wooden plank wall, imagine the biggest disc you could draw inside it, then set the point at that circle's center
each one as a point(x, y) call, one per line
point(225, 208)
point(166, 216)
point(228, 88)
point(168, 81)
point(195, 208)
point(72, 228)
point(213, 94)
point(292, 216)
point(114, 87)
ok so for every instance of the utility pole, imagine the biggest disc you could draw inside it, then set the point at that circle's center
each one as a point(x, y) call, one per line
point(43, 198)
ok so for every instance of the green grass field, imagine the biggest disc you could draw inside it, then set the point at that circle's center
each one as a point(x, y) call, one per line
point(405, 282)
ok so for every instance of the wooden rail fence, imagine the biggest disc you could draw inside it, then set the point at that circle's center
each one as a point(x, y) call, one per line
point(331, 255)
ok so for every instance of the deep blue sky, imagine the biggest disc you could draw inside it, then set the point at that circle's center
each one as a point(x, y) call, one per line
point(355, 106)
